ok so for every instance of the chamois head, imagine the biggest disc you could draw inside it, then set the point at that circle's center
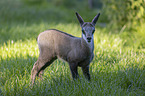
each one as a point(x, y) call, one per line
point(88, 28)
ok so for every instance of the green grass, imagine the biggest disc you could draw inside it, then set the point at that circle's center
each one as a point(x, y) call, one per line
point(118, 67)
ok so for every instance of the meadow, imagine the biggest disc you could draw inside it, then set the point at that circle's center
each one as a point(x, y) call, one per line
point(118, 67)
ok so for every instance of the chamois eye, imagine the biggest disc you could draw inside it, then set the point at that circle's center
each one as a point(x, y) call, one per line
point(93, 31)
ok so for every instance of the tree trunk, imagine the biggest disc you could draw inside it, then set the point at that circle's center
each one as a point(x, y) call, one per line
point(90, 2)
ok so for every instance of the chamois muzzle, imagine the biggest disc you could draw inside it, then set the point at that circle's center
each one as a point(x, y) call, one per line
point(89, 39)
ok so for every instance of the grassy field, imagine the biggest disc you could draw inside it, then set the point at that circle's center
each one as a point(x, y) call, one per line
point(118, 67)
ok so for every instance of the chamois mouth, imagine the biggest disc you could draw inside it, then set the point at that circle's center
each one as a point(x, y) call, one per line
point(89, 41)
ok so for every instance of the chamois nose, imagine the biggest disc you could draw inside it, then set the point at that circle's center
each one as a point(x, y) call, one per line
point(89, 39)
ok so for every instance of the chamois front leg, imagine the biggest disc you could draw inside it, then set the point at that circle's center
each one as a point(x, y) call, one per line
point(86, 72)
point(74, 70)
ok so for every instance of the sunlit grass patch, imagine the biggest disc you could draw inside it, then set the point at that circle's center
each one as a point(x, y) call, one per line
point(12, 49)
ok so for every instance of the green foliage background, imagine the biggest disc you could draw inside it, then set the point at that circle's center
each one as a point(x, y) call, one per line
point(128, 15)
point(128, 12)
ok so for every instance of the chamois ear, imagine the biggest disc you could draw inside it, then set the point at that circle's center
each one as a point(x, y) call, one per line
point(95, 19)
point(80, 19)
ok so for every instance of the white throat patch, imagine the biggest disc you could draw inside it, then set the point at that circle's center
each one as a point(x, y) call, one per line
point(84, 37)
point(91, 44)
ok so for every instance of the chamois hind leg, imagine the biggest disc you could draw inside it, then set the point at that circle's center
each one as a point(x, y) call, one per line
point(40, 72)
point(86, 72)
point(39, 67)
point(36, 69)
point(34, 72)
point(74, 70)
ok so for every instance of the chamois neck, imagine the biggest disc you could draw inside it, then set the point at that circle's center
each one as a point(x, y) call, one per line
point(88, 45)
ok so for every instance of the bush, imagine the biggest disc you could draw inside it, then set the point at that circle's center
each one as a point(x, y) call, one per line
point(125, 12)
point(33, 2)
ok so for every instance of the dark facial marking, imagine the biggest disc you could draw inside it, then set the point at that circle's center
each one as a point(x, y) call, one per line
point(93, 31)
point(83, 32)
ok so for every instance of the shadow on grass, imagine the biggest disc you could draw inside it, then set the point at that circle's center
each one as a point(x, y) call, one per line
point(17, 19)
point(15, 67)
point(15, 79)
point(120, 82)
point(22, 22)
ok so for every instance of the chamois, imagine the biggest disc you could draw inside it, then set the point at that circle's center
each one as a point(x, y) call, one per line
point(78, 52)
